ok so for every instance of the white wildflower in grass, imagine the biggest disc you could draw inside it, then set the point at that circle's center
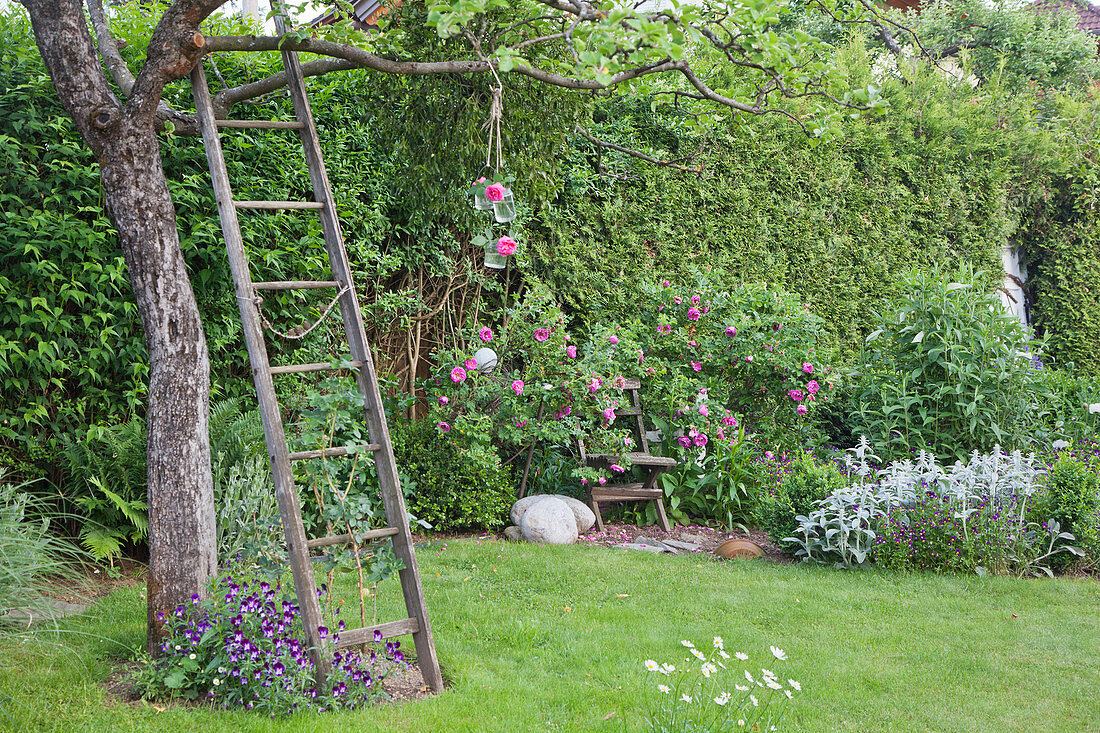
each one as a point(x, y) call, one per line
point(192, 655)
point(754, 702)
point(217, 682)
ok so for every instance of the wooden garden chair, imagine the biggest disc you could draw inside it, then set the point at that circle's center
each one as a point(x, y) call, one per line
point(654, 466)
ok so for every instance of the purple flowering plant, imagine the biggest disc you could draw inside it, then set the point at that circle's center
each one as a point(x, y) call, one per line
point(244, 648)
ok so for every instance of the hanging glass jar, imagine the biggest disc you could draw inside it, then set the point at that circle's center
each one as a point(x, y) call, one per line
point(481, 201)
point(504, 210)
point(493, 258)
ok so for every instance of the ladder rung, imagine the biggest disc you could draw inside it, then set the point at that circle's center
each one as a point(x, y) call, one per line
point(331, 452)
point(273, 205)
point(262, 124)
point(319, 366)
point(341, 539)
point(295, 284)
point(365, 635)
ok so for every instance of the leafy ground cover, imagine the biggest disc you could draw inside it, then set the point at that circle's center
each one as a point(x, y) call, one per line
point(555, 638)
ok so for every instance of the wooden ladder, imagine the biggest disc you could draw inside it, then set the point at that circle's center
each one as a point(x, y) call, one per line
point(298, 546)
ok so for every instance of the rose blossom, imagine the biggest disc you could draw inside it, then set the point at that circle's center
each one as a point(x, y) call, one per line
point(677, 299)
point(471, 365)
point(684, 441)
point(665, 284)
point(700, 440)
point(458, 375)
point(494, 192)
point(619, 382)
point(697, 366)
point(443, 427)
point(593, 385)
point(693, 314)
point(517, 386)
point(704, 411)
point(664, 328)
point(748, 358)
point(506, 246)
point(609, 414)
point(443, 400)
point(602, 481)
point(796, 395)
point(812, 386)
point(571, 352)
point(617, 468)
point(485, 334)
point(731, 331)
point(695, 300)
point(613, 339)
point(541, 334)
point(807, 367)
point(801, 409)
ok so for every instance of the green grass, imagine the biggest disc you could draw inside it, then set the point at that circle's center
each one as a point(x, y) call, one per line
point(537, 639)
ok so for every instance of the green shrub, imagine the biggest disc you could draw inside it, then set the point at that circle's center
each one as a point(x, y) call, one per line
point(948, 370)
point(807, 482)
point(457, 486)
point(1072, 491)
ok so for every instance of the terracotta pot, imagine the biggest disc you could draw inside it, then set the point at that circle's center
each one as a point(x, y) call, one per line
point(739, 548)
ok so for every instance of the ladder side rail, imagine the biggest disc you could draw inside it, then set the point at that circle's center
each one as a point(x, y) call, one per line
point(367, 378)
point(304, 582)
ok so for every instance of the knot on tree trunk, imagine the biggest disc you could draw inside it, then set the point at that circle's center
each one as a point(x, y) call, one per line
point(104, 117)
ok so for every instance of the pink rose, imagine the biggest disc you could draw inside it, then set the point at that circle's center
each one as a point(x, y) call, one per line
point(458, 375)
point(443, 400)
point(613, 339)
point(693, 314)
point(697, 366)
point(801, 409)
point(641, 356)
point(584, 482)
point(695, 300)
point(731, 331)
point(677, 299)
point(480, 180)
point(541, 334)
point(664, 328)
point(684, 441)
point(796, 395)
point(506, 246)
point(517, 387)
point(609, 414)
point(593, 386)
point(704, 411)
point(485, 334)
point(470, 364)
point(443, 427)
point(693, 343)
point(700, 440)
point(665, 284)
point(571, 352)
point(807, 367)
point(602, 481)
point(813, 387)
point(748, 358)
point(619, 382)
point(494, 192)
point(617, 468)
point(521, 423)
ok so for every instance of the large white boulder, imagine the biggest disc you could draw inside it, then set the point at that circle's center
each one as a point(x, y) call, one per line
point(549, 521)
point(586, 518)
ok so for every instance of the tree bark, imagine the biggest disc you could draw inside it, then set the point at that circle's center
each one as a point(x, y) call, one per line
point(182, 543)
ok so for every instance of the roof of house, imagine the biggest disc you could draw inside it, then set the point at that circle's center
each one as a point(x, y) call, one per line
point(1088, 17)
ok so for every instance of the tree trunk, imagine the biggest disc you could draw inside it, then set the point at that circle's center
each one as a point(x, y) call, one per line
point(182, 542)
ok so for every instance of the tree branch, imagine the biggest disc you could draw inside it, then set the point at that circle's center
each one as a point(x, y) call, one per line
point(639, 154)
point(108, 48)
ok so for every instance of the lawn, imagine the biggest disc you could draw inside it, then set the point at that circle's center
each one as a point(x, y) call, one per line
point(538, 638)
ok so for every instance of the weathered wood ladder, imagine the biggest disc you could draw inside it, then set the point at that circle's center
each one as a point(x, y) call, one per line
point(298, 546)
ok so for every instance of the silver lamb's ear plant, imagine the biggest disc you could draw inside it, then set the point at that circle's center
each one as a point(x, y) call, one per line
point(841, 528)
